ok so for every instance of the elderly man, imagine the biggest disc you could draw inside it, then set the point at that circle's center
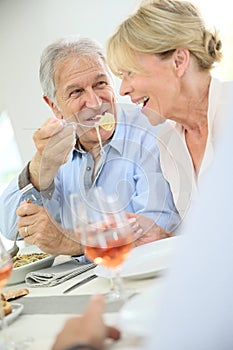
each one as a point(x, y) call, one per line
point(91, 142)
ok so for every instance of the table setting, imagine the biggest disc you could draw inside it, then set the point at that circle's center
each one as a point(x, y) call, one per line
point(47, 306)
point(130, 278)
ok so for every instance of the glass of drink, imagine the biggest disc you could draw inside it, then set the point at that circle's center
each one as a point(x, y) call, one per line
point(105, 233)
point(6, 341)
point(5, 265)
point(5, 272)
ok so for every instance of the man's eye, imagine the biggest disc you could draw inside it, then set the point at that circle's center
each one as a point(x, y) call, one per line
point(101, 83)
point(75, 93)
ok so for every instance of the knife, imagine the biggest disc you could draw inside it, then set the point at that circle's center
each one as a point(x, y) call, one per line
point(80, 283)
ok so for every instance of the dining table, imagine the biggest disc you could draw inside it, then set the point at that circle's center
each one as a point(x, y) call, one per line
point(46, 308)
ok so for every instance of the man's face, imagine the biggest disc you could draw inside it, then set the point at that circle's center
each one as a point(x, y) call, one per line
point(83, 91)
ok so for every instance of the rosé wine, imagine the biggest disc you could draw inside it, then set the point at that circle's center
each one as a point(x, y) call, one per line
point(111, 256)
point(5, 272)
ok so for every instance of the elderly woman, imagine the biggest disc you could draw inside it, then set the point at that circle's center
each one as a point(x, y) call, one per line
point(164, 55)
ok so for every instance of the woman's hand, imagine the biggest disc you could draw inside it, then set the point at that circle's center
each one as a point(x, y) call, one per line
point(146, 230)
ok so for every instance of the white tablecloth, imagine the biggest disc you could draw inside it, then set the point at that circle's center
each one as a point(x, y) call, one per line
point(43, 327)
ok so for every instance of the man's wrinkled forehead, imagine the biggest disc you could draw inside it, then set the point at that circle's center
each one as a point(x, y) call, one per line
point(82, 64)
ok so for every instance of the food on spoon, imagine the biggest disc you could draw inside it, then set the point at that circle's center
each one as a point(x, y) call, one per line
point(107, 121)
point(6, 305)
point(23, 259)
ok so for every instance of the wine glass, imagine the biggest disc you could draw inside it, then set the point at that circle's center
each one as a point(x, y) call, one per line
point(6, 342)
point(106, 234)
point(5, 272)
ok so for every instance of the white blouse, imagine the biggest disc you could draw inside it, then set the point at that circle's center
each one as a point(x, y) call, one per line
point(176, 162)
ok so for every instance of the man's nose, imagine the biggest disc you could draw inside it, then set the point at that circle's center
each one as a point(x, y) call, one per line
point(93, 100)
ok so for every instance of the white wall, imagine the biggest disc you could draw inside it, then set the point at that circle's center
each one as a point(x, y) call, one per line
point(26, 27)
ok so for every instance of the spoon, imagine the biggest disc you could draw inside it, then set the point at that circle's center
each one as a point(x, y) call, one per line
point(14, 250)
point(107, 122)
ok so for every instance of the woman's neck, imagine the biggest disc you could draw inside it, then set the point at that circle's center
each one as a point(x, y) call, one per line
point(193, 111)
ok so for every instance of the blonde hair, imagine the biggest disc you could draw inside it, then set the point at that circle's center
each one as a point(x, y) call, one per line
point(160, 27)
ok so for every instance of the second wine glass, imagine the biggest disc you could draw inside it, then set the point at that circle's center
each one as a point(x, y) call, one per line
point(106, 234)
point(5, 272)
point(7, 341)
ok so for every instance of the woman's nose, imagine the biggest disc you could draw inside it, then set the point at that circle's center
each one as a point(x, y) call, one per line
point(93, 100)
point(125, 88)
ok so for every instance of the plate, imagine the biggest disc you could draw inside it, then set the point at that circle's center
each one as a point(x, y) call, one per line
point(16, 311)
point(145, 261)
point(19, 273)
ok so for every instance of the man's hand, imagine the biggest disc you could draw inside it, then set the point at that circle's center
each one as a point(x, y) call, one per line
point(87, 329)
point(54, 141)
point(38, 228)
point(146, 230)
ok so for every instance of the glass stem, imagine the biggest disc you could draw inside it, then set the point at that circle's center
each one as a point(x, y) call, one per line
point(116, 283)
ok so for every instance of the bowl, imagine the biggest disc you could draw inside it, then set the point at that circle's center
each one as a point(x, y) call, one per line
point(19, 273)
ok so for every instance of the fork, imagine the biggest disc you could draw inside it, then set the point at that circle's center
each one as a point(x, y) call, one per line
point(14, 250)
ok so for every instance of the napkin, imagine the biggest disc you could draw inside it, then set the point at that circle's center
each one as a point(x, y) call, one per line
point(57, 274)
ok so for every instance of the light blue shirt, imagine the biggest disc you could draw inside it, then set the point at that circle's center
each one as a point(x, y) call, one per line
point(129, 167)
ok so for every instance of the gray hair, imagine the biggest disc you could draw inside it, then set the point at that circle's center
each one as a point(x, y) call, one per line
point(61, 49)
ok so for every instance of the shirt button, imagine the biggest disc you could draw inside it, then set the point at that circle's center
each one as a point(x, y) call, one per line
point(88, 168)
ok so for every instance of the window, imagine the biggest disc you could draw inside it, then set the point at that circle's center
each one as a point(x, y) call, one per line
point(10, 160)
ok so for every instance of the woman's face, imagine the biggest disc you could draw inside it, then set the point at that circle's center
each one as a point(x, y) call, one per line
point(157, 89)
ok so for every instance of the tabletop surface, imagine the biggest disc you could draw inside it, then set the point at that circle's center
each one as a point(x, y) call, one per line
point(47, 308)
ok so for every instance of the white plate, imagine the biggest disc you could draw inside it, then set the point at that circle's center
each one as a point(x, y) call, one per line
point(145, 261)
point(19, 273)
point(16, 311)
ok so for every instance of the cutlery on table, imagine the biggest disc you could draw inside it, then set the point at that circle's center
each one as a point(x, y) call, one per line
point(80, 283)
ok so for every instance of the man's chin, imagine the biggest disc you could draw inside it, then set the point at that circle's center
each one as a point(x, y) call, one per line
point(105, 134)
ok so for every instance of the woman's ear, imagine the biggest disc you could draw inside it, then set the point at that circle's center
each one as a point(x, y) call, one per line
point(54, 108)
point(181, 60)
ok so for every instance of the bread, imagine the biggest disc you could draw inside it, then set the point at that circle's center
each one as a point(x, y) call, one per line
point(10, 295)
point(6, 305)
point(15, 293)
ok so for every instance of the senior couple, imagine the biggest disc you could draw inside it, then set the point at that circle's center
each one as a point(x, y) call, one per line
point(78, 87)
point(161, 166)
